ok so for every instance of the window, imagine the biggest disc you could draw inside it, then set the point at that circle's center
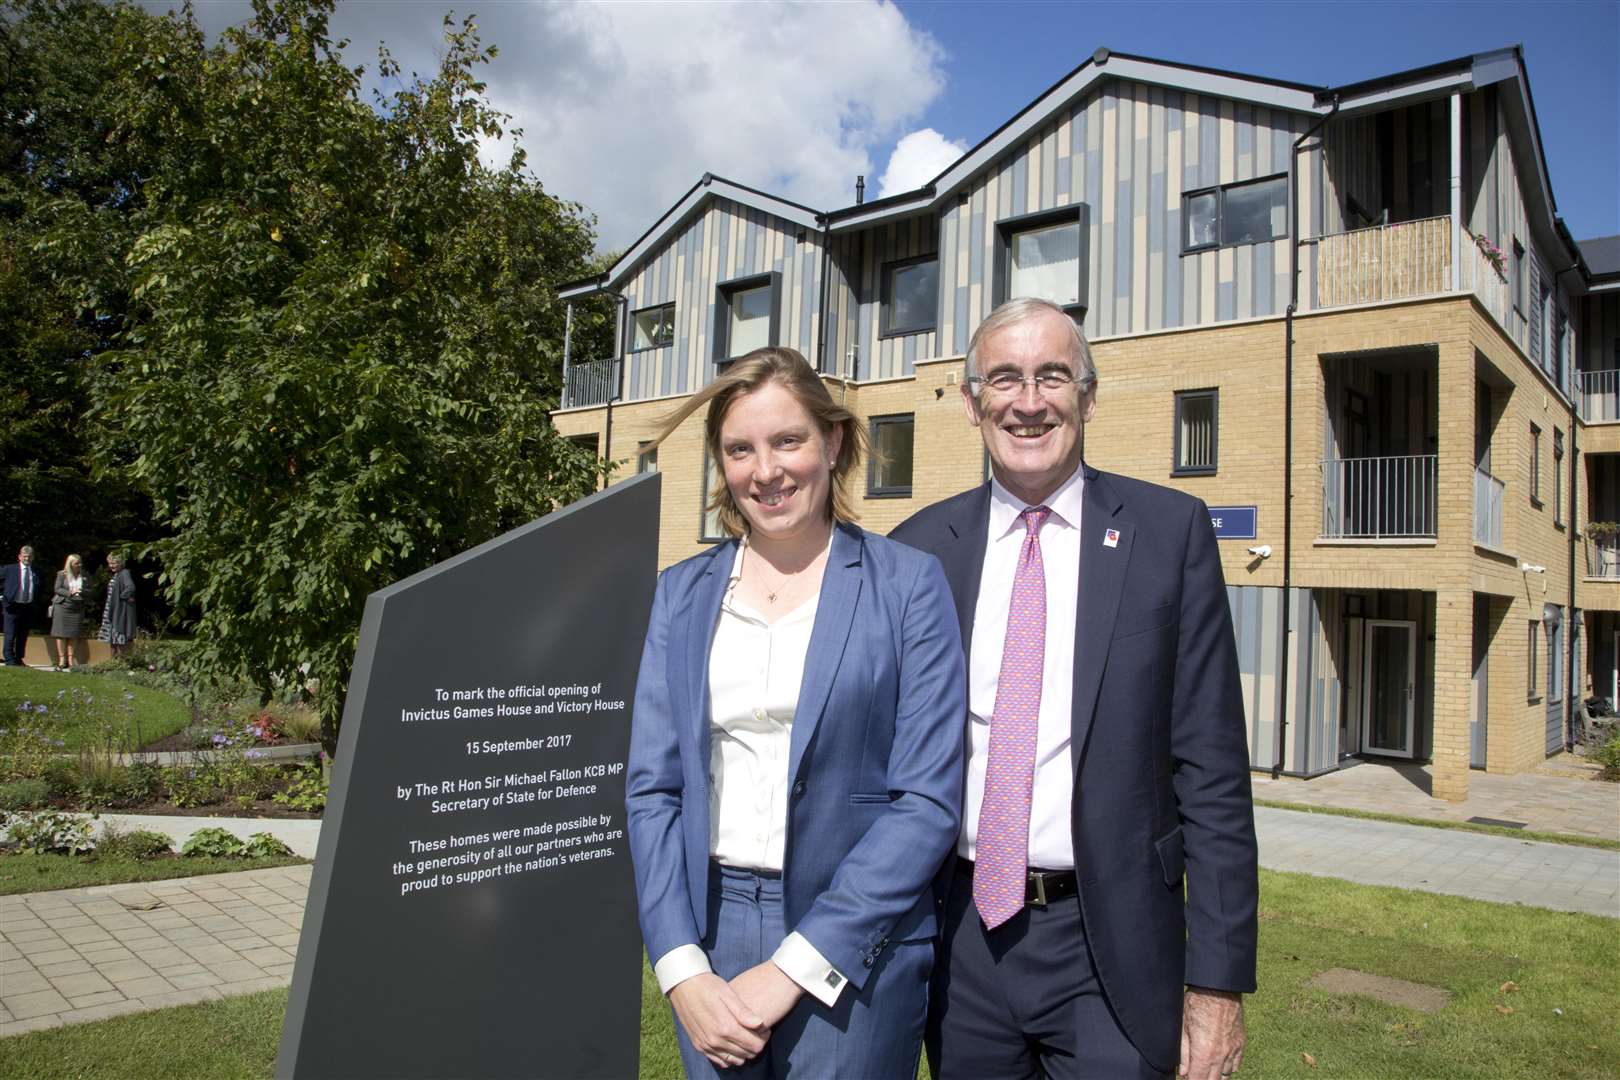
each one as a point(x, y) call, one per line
point(1247, 213)
point(652, 328)
point(1555, 655)
point(1518, 276)
point(587, 443)
point(709, 530)
point(1535, 648)
point(1535, 466)
point(1558, 478)
point(1196, 432)
point(910, 295)
point(1043, 255)
point(646, 457)
point(745, 315)
point(888, 474)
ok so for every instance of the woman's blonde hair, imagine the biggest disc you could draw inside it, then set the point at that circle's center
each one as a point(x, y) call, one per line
point(788, 369)
point(67, 564)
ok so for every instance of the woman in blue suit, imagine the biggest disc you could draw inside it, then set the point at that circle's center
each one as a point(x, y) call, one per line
point(795, 767)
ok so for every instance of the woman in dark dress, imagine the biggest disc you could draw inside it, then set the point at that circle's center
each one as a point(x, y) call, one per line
point(118, 616)
point(67, 611)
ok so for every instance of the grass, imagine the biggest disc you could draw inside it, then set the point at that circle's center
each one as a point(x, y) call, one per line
point(40, 873)
point(1308, 924)
point(1573, 839)
point(155, 713)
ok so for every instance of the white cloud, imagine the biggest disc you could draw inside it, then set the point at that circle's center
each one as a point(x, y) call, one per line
point(623, 106)
point(917, 159)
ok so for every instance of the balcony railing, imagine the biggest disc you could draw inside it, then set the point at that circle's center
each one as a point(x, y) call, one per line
point(1378, 498)
point(1386, 262)
point(1603, 557)
point(591, 383)
point(1481, 277)
point(1599, 396)
point(1488, 492)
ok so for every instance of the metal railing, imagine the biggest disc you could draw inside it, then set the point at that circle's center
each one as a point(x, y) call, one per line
point(1599, 396)
point(1603, 557)
point(593, 382)
point(1488, 494)
point(1376, 498)
point(1384, 262)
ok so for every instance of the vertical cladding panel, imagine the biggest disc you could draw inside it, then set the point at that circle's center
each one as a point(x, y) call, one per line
point(1140, 173)
point(1124, 222)
point(1019, 194)
point(1171, 228)
point(949, 270)
point(1209, 141)
point(1043, 184)
point(1243, 141)
point(1093, 195)
point(1108, 190)
point(1063, 163)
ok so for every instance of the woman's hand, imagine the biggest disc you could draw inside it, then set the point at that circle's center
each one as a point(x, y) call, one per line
point(723, 1028)
point(769, 991)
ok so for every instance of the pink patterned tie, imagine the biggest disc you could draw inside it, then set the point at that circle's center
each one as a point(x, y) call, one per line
point(1001, 849)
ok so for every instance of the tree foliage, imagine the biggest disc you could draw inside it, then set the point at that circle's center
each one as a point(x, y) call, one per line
point(340, 335)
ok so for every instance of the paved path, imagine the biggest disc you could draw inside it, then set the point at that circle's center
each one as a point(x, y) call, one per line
point(85, 954)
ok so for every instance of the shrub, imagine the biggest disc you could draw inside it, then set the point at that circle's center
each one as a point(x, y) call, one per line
point(143, 782)
point(191, 784)
point(298, 724)
point(261, 845)
point(27, 745)
point(23, 794)
point(215, 842)
point(1608, 756)
point(137, 844)
point(307, 792)
point(51, 831)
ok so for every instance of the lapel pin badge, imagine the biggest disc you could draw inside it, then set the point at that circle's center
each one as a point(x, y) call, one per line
point(1111, 538)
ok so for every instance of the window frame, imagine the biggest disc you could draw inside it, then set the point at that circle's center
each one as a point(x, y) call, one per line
point(646, 457)
point(1558, 478)
point(1007, 228)
point(630, 326)
point(886, 329)
point(1535, 466)
point(1213, 394)
point(1535, 648)
point(1520, 281)
point(710, 467)
point(1220, 191)
point(874, 490)
point(1555, 658)
point(720, 330)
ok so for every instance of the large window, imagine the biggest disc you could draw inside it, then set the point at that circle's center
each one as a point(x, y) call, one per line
point(1535, 466)
point(1558, 478)
point(652, 328)
point(1247, 213)
point(888, 474)
point(1043, 255)
point(709, 530)
point(1197, 432)
point(646, 457)
point(911, 295)
point(745, 315)
point(1534, 650)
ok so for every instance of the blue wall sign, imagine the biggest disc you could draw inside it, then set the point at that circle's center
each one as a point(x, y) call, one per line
point(1233, 522)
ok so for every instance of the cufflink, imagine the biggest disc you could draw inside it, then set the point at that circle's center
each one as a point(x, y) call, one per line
point(834, 980)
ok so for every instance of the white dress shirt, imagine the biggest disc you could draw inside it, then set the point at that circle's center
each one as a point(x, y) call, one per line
point(755, 668)
point(1051, 847)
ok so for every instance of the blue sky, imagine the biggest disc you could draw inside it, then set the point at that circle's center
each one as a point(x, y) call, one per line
point(1000, 58)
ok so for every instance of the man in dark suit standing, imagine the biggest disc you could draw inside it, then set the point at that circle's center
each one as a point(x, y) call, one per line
point(1107, 758)
point(21, 595)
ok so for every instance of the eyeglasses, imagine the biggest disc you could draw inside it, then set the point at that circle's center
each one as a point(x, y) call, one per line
point(1008, 383)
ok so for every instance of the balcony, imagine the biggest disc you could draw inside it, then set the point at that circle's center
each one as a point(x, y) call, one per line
point(1603, 557)
point(1599, 397)
point(1402, 261)
point(594, 382)
point(1379, 498)
point(1488, 495)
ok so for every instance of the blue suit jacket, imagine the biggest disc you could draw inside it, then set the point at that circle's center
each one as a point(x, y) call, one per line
point(1160, 754)
point(11, 586)
point(875, 766)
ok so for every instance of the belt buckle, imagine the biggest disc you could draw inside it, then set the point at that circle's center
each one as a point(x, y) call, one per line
point(1040, 889)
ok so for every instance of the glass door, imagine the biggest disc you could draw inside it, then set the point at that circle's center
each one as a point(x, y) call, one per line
point(1387, 687)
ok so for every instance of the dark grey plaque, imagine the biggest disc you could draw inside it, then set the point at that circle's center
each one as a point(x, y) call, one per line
point(472, 910)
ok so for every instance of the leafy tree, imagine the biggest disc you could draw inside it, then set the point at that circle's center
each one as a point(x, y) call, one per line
point(341, 338)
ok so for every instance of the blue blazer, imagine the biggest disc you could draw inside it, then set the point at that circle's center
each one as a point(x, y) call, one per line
point(1160, 754)
point(12, 588)
point(875, 764)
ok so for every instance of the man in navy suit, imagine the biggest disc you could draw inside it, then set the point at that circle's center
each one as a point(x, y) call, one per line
point(1093, 606)
point(21, 596)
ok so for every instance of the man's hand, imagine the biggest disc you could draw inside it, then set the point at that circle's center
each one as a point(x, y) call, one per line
point(768, 990)
point(1212, 1035)
point(720, 1025)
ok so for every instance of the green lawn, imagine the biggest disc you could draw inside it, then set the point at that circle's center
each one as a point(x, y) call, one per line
point(154, 713)
point(39, 873)
point(1468, 947)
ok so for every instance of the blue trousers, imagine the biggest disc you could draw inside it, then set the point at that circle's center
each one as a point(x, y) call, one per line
point(1022, 1001)
point(875, 1034)
point(19, 618)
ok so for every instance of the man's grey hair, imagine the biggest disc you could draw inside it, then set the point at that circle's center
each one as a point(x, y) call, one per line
point(1022, 309)
point(26, 549)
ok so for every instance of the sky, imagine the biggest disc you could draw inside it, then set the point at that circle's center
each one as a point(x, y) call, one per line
point(625, 105)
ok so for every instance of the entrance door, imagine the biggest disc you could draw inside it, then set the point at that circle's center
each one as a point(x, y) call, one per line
point(1389, 671)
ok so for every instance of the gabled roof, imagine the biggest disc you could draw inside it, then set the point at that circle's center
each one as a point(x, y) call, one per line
point(1602, 257)
point(708, 187)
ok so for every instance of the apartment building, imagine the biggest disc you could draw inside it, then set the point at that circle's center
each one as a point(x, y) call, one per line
point(1347, 318)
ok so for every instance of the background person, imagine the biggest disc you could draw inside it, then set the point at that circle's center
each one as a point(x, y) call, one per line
point(1107, 757)
point(118, 613)
point(20, 596)
point(795, 755)
point(67, 612)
